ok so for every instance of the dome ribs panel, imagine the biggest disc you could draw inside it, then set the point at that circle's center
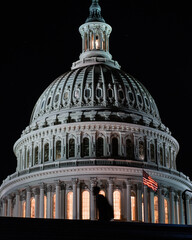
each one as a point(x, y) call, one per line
point(95, 92)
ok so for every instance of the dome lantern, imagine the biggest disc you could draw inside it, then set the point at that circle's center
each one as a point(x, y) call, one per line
point(95, 35)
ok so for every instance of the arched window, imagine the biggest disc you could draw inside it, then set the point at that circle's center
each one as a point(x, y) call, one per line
point(152, 151)
point(161, 156)
point(70, 205)
point(46, 152)
point(101, 192)
point(86, 205)
point(156, 213)
point(99, 147)
point(45, 206)
point(54, 201)
point(71, 147)
point(141, 150)
point(117, 204)
point(129, 149)
point(23, 209)
point(36, 155)
point(115, 147)
point(32, 207)
point(166, 210)
point(58, 150)
point(27, 165)
point(133, 207)
point(85, 147)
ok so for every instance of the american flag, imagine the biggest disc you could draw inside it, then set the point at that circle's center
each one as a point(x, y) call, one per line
point(148, 181)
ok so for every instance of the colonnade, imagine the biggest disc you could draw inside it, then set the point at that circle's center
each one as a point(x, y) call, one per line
point(134, 202)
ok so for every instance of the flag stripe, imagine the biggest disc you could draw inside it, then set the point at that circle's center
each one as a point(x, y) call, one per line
point(149, 181)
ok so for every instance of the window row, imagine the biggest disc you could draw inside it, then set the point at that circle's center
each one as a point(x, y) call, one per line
point(139, 151)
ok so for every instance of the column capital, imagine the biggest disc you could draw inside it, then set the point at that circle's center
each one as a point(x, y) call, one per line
point(93, 181)
point(128, 181)
point(36, 191)
point(74, 181)
point(111, 180)
point(28, 189)
point(49, 188)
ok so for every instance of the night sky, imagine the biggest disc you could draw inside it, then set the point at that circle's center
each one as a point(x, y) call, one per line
point(151, 40)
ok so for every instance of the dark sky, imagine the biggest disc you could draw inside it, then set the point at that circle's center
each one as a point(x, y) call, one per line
point(151, 40)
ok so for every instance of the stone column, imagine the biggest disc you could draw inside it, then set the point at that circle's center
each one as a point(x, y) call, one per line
point(151, 206)
point(36, 192)
point(57, 202)
point(49, 201)
point(41, 201)
point(161, 205)
point(110, 192)
point(187, 209)
point(9, 206)
point(62, 201)
point(4, 213)
point(28, 203)
point(190, 206)
point(145, 198)
point(181, 209)
point(93, 199)
point(17, 197)
point(78, 200)
point(172, 206)
point(139, 202)
point(128, 200)
point(74, 181)
point(93, 145)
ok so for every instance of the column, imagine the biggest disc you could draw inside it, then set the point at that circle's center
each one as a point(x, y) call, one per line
point(172, 206)
point(187, 209)
point(17, 198)
point(62, 201)
point(41, 201)
point(78, 145)
point(93, 144)
point(9, 206)
point(145, 198)
point(181, 209)
point(4, 214)
point(28, 202)
point(190, 206)
point(128, 200)
point(93, 199)
point(110, 192)
point(57, 202)
point(36, 192)
point(78, 200)
point(151, 206)
point(74, 181)
point(49, 201)
point(139, 203)
point(161, 205)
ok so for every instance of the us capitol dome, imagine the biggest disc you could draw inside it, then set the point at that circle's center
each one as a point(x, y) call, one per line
point(96, 125)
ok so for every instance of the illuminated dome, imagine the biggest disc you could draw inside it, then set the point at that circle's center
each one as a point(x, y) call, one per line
point(96, 92)
point(96, 126)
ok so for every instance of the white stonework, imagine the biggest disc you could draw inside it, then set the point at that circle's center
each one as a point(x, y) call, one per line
point(96, 125)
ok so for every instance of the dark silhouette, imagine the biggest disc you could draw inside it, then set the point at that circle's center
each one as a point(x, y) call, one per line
point(104, 208)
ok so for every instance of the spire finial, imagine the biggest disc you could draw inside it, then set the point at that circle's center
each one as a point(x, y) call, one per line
point(95, 12)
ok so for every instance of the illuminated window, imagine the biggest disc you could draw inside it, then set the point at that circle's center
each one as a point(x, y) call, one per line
point(99, 147)
point(58, 150)
point(23, 209)
point(166, 210)
point(45, 206)
point(36, 155)
point(102, 193)
point(32, 207)
point(85, 147)
point(156, 213)
point(46, 152)
point(133, 208)
point(117, 204)
point(70, 205)
point(54, 201)
point(85, 205)
point(115, 145)
point(71, 147)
